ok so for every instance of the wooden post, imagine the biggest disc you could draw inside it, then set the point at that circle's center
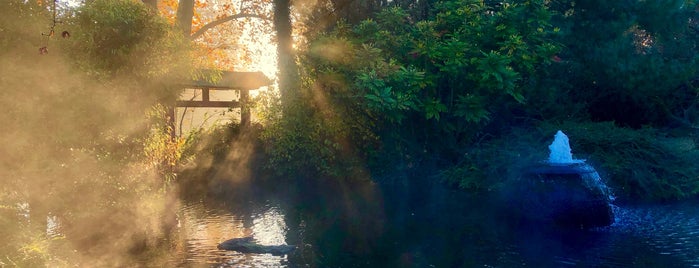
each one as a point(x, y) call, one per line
point(243, 81)
point(170, 117)
point(205, 94)
point(244, 107)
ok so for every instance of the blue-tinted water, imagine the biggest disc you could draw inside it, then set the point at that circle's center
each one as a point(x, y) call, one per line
point(367, 225)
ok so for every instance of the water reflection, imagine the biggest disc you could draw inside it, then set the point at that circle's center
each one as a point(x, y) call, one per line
point(202, 229)
point(426, 226)
point(269, 228)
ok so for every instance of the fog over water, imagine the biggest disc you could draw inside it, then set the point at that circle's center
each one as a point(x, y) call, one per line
point(73, 157)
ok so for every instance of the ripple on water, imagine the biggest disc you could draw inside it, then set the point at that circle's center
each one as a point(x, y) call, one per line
point(670, 231)
point(642, 236)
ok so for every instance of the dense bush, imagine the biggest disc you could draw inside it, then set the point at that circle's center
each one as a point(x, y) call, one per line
point(309, 141)
point(391, 91)
point(639, 164)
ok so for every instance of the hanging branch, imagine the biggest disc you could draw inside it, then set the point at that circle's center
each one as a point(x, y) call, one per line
point(185, 112)
point(52, 30)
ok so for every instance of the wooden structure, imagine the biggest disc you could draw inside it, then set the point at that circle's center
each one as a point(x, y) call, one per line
point(241, 81)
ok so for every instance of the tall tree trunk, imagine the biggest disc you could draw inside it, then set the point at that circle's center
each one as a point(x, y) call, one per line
point(288, 71)
point(185, 12)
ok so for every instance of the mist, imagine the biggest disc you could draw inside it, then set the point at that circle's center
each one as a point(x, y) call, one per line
point(82, 149)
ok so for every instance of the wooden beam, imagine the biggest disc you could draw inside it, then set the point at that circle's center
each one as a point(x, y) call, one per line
point(230, 80)
point(209, 104)
point(245, 107)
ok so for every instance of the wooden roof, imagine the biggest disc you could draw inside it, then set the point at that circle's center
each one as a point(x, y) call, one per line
point(230, 80)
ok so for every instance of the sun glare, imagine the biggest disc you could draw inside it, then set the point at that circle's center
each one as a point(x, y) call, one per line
point(240, 45)
point(72, 3)
point(264, 52)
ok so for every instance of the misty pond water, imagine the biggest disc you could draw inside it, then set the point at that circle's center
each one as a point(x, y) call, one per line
point(418, 225)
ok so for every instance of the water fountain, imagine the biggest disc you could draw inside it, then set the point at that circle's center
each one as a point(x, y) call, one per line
point(560, 151)
point(564, 191)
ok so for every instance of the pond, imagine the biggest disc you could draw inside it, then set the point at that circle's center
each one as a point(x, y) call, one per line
point(421, 224)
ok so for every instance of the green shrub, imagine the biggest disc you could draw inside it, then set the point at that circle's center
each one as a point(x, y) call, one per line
point(308, 143)
point(638, 164)
point(489, 163)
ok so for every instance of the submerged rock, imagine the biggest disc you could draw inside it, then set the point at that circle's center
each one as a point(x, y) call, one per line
point(248, 245)
point(571, 195)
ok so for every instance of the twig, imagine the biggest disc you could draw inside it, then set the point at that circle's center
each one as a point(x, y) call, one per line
point(185, 112)
point(44, 49)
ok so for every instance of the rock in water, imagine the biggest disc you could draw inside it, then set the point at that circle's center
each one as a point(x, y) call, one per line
point(248, 245)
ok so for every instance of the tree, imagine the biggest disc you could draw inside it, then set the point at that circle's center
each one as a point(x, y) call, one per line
point(185, 13)
point(216, 27)
point(617, 72)
point(288, 71)
point(442, 76)
point(281, 19)
point(395, 88)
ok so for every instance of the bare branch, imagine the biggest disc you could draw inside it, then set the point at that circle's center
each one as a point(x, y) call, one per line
point(220, 21)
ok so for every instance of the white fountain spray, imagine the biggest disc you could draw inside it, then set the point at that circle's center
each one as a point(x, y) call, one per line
point(560, 151)
point(561, 156)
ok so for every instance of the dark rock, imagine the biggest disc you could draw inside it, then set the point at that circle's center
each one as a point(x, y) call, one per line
point(248, 245)
point(571, 195)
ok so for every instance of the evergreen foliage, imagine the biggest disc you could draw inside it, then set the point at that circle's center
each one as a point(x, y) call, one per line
point(632, 62)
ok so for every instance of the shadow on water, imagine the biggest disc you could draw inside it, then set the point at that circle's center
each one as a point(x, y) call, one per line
point(417, 224)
